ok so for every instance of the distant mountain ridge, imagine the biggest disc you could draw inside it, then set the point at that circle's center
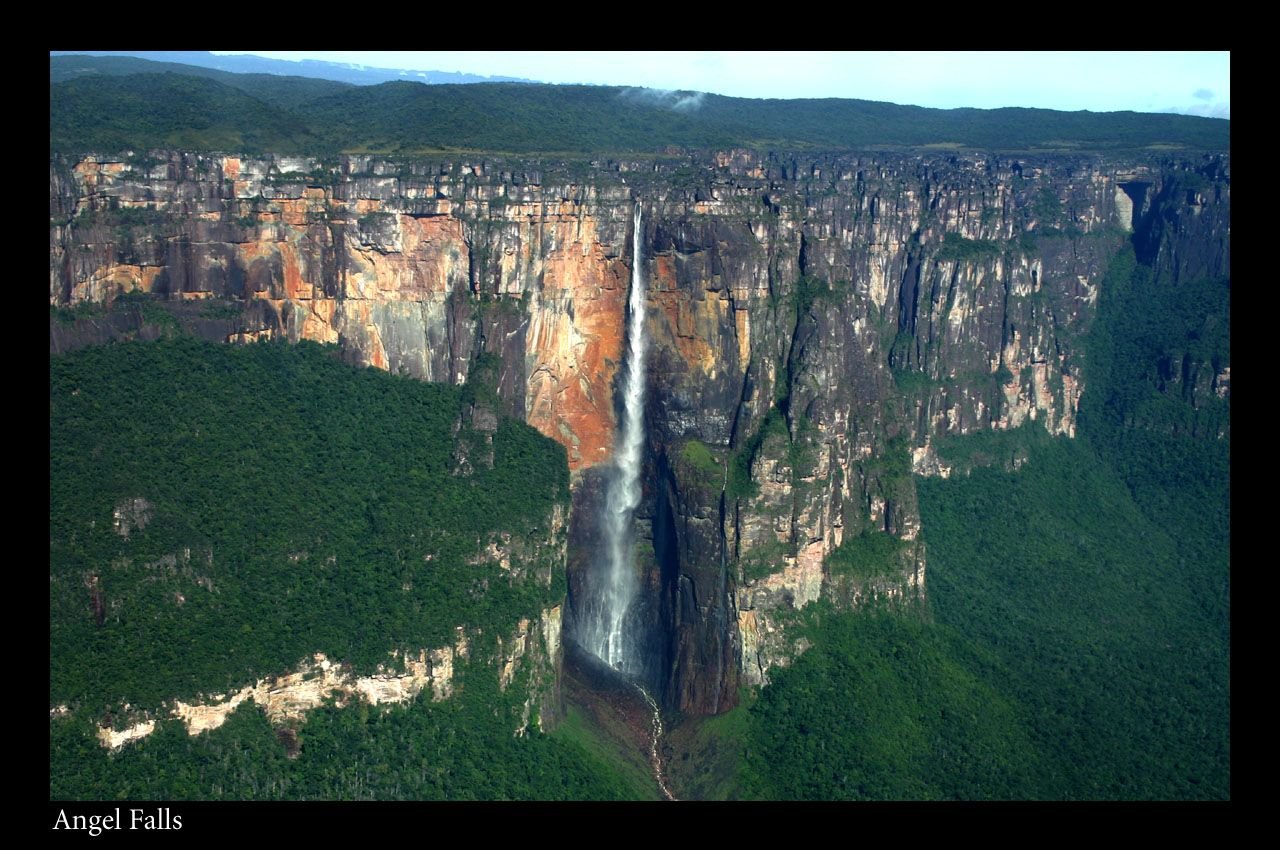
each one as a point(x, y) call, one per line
point(272, 89)
point(115, 103)
point(352, 74)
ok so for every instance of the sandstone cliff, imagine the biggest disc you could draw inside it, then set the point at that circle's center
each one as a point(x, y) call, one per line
point(818, 322)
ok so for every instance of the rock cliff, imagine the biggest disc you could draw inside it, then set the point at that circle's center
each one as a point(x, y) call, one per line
point(818, 323)
point(288, 697)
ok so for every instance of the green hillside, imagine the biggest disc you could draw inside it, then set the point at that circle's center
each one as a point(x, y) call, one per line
point(139, 111)
point(273, 89)
point(307, 493)
point(294, 505)
point(143, 111)
point(1077, 639)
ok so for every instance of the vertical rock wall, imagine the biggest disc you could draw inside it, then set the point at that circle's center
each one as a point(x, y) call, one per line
point(817, 323)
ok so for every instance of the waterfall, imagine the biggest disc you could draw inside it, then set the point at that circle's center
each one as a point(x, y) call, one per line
point(725, 601)
point(612, 581)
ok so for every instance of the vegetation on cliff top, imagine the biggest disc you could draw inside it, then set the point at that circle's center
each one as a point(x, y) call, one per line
point(273, 89)
point(169, 110)
point(241, 113)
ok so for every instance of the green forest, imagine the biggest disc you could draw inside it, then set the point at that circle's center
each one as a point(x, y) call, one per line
point(290, 495)
point(461, 748)
point(1076, 640)
point(199, 109)
point(1070, 649)
point(290, 504)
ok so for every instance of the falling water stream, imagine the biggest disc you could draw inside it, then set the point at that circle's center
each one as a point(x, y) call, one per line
point(612, 584)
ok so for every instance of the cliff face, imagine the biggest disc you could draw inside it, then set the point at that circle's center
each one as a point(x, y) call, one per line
point(288, 697)
point(817, 323)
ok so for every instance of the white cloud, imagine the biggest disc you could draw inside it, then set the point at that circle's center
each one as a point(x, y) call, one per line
point(679, 101)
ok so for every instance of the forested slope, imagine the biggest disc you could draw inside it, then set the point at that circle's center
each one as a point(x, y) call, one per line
point(1076, 642)
point(218, 513)
point(109, 112)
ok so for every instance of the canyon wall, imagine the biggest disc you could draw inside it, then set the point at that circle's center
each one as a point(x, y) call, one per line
point(818, 323)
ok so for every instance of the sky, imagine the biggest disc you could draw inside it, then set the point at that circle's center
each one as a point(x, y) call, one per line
point(1186, 82)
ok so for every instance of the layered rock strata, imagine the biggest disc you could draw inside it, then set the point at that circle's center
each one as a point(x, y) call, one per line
point(818, 322)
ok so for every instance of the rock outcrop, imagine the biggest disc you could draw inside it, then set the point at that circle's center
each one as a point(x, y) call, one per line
point(287, 698)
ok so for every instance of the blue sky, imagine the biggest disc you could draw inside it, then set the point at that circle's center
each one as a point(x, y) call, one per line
point(1185, 82)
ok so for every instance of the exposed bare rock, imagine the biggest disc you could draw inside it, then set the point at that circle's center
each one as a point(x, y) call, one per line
point(131, 515)
point(113, 739)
